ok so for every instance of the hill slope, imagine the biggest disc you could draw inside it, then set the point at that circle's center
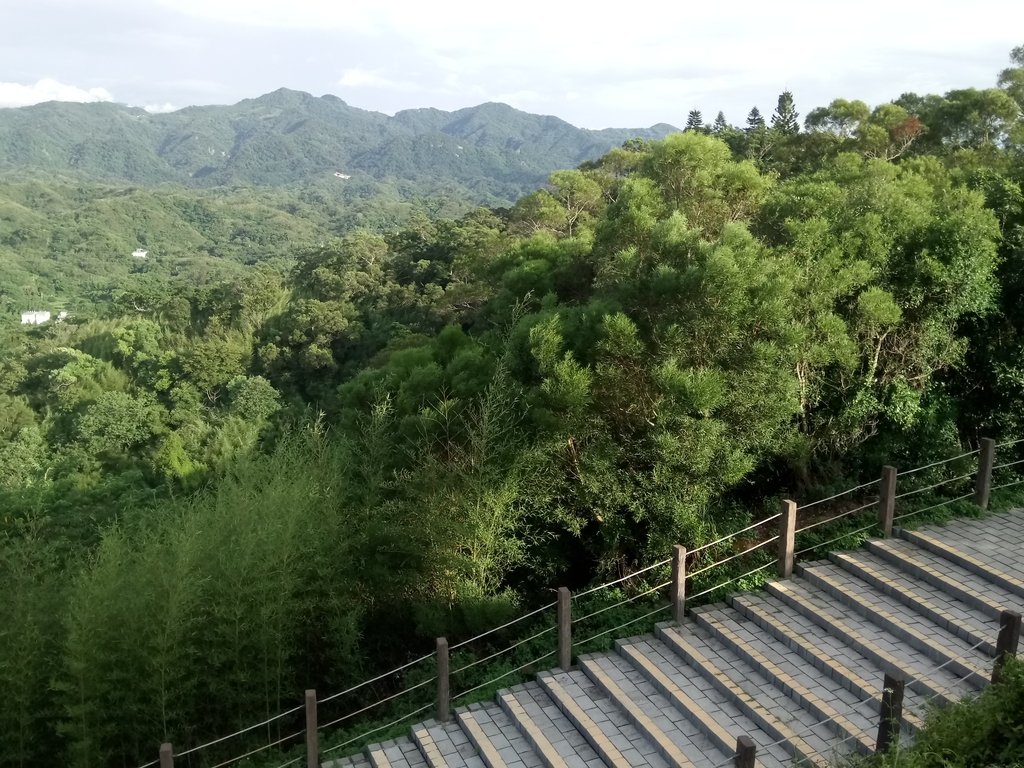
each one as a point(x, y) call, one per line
point(288, 137)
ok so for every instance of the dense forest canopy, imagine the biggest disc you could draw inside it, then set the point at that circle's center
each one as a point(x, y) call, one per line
point(233, 464)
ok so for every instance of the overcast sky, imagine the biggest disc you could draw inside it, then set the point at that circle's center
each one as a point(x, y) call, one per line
point(623, 64)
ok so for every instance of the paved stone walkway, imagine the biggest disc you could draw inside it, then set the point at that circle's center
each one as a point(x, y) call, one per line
point(797, 667)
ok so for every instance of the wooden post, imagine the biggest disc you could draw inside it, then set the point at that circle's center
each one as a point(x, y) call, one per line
point(787, 538)
point(312, 735)
point(983, 484)
point(564, 628)
point(890, 714)
point(443, 691)
point(745, 752)
point(887, 500)
point(678, 582)
point(166, 756)
point(1006, 645)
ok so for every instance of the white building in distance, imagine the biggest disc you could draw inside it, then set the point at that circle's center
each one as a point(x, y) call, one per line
point(140, 253)
point(35, 317)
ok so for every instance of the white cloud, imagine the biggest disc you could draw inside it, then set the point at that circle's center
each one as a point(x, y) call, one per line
point(365, 78)
point(20, 95)
point(159, 109)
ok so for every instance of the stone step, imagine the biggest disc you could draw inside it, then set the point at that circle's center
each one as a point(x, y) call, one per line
point(710, 711)
point(352, 761)
point(964, 621)
point(445, 745)
point(888, 651)
point(911, 628)
point(677, 740)
point(553, 736)
point(753, 694)
point(396, 753)
point(952, 579)
point(928, 539)
point(822, 695)
point(824, 698)
point(602, 724)
point(495, 737)
point(842, 663)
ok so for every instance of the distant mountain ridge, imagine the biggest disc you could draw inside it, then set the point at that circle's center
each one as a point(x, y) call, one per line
point(290, 137)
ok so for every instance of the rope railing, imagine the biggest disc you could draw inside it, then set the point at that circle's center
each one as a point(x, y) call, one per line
point(621, 603)
point(502, 676)
point(840, 537)
point(378, 678)
point(252, 752)
point(368, 707)
point(727, 582)
point(840, 516)
point(1007, 485)
point(623, 625)
point(378, 729)
point(938, 463)
point(508, 624)
point(933, 486)
point(835, 496)
point(222, 739)
point(1008, 464)
point(945, 503)
point(475, 662)
point(730, 558)
point(785, 537)
point(734, 534)
point(632, 575)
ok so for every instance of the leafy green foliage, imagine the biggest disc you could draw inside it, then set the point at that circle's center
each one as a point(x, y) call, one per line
point(987, 730)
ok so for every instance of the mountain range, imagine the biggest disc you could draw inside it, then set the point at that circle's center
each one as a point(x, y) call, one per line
point(492, 152)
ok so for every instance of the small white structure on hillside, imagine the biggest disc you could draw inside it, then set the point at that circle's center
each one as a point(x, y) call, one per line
point(62, 316)
point(341, 175)
point(140, 253)
point(35, 317)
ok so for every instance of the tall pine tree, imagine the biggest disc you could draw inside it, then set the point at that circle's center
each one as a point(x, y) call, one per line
point(720, 125)
point(695, 121)
point(754, 120)
point(784, 120)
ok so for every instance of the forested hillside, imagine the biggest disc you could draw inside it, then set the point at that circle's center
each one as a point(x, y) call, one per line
point(237, 481)
point(490, 153)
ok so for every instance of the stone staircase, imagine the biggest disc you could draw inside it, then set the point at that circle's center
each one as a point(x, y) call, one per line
point(797, 667)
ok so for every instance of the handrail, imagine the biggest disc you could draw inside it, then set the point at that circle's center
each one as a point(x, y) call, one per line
point(628, 600)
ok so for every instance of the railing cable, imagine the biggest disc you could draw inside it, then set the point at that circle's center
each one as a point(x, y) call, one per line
point(381, 676)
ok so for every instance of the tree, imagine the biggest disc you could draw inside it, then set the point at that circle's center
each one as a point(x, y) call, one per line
point(755, 121)
point(720, 125)
point(785, 118)
point(841, 118)
point(1011, 79)
point(694, 121)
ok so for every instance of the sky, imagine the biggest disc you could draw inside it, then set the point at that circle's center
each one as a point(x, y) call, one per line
point(595, 64)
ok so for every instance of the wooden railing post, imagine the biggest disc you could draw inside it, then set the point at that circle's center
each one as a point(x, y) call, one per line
point(1006, 645)
point(787, 538)
point(887, 500)
point(678, 582)
point(891, 713)
point(312, 738)
point(983, 483)
point(166, 755)
point(443, 691)
point(564, 628)
point(746, 750)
